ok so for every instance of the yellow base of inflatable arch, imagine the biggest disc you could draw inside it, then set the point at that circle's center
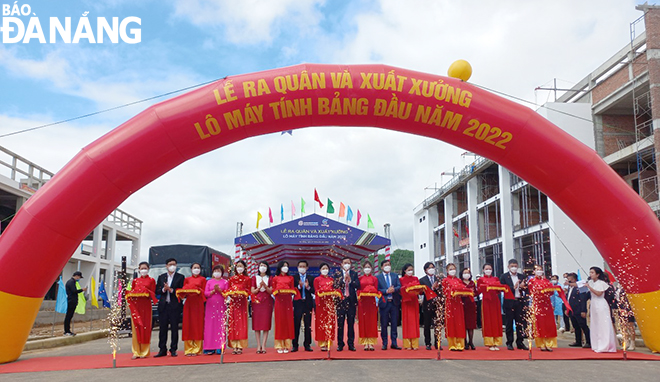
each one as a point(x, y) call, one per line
point(16, 322)
point(647, 314)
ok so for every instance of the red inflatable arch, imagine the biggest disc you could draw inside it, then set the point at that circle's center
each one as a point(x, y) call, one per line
point(50, 226)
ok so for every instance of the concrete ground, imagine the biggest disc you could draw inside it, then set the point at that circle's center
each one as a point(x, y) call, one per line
point(336, 370)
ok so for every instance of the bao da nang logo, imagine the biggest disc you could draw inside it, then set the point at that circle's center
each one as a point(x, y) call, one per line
point(20, 24)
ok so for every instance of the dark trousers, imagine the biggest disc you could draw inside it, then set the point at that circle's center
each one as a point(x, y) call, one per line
point(302, 312)
point(513, 311)
point(580, 326)
point(70, 310)
point(389, 315)
point(346, 312)
point(429, 323)
point(567, 320)
point(169, 317)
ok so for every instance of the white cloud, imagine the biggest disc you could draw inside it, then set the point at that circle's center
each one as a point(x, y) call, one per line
point(249, 21)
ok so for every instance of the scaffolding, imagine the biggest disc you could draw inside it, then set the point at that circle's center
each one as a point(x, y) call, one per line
point(647, 180)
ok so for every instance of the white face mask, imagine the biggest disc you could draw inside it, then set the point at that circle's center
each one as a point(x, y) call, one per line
point(144, 272)
point(324, 272)
point(539, 273)
point(302, 270)
point(285, 270)
point(431, 271)
point(346, 266)
point(409, 273)
point(367, 271)
point(217, 275)
point(172, 268)
point(196, 271)
point(387, 269)
point(488, 272)
point(514, 270)
point(239, 270)
point(554, 282)
point(466, 276)
point(263, 268)
point(451, 272)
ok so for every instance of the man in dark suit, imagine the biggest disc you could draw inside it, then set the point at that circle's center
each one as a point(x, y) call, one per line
point(347, 282)
point(430, 308)
point(302, 308)
point(169, 308)
point(390, 287)
point(514, 307)
point(71, 301)
point(578, 303)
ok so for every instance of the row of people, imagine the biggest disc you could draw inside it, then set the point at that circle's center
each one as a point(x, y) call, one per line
point(215, 314)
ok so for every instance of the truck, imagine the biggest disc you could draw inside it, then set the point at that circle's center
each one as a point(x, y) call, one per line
point(185, 256)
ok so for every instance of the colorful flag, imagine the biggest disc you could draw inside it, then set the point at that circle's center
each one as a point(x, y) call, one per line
point(302, 205)
point(282, 212)
point(80, 308)
point(293, 209)
point(95, 301)
point(317, 199)
point(370, 224)
point(270, 215)
point(60, 303)
point(102, 295)
point(359, 217)
point(349, 215)
point(331, 208)
point(342, 210)
point(455, 232)
point(258, 218)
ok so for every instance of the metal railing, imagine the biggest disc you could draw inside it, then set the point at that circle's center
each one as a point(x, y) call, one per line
point(31, 177)
point(462, 176)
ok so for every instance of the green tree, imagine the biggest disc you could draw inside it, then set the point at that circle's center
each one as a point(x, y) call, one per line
point(398, 258)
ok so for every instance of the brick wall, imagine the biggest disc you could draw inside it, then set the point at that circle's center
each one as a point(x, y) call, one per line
point(617, 128)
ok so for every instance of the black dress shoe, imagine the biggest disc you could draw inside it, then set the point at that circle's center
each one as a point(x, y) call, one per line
point(340, 348)
point(173, 353)
point(395, 347)
point(351, 348)
point(523, 347)
point(294, 350)
point(384, 347)
point(575, 345)
point(307, 348)
point(160, 354)
point(509, 347)
point(428, 347)
point(587, 346)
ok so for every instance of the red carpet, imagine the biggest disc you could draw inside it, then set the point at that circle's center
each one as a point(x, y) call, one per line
point(482, 354)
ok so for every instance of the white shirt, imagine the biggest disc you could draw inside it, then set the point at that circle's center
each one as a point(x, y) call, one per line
point(170, 279)
point(514, 280)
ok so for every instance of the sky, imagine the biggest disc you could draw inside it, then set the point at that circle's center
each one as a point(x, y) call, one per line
point(513, 47)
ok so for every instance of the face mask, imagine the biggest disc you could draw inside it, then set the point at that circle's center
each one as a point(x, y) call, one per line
point(451, 272)
point(285, 270)
point(144, 272)
point(367, 271)
point(387, 269)
point(217, 275)
point(324, 272)
point(538, 273)
point(514, 270)
point(263, 268)
point(466, 276)
point(431, 271)
point(302, 270)
point(488, 272)
point(409, 273)
point(196, 271)
point(172, 268)
point(240, 270)
point(346, 266)
point(554, 282)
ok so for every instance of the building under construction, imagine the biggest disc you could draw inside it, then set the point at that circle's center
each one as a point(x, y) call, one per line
point(486, 214)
